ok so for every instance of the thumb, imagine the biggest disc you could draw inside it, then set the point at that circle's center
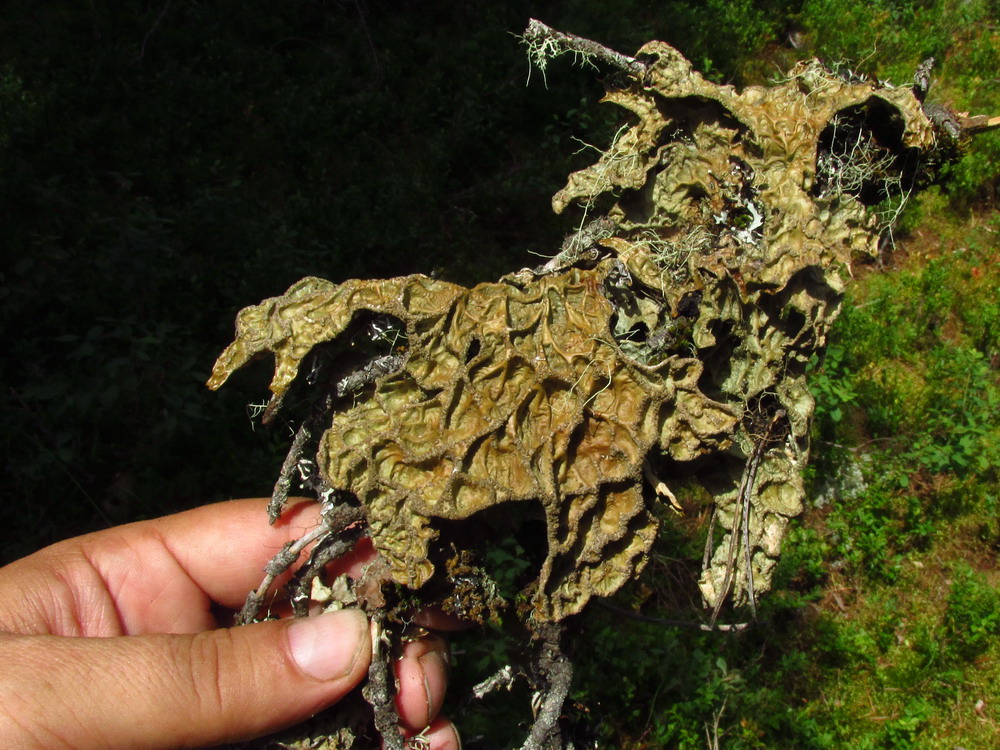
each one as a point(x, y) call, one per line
point(167, 691)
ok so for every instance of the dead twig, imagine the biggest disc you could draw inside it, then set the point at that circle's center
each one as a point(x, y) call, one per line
point(279, 564)
point(502, 678)
point(326, 551)
point(551, 687)
point(380, 691)
point(545, 43)
point(741, 522)
point(735, 627)
point(371, 372)
point(279, 498)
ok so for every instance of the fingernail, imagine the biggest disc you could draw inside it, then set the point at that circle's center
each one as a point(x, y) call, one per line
point(326, 647)
point(432, 660)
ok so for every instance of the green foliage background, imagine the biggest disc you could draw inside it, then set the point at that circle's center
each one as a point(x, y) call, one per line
point(164, 164)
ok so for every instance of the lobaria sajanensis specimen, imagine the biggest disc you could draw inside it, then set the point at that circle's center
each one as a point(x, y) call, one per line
point(668, 337)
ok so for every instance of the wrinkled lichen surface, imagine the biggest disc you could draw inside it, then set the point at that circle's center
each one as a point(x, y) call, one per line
point(672, 333)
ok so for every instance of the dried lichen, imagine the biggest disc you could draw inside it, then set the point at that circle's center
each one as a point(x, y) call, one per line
point(667, 341)
point(509, 393)
point(675, 330)
point(735, 197)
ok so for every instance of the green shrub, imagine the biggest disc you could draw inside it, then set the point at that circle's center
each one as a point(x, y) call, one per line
point(972, 616)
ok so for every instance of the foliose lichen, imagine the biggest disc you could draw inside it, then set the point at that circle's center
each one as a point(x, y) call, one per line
point(672, 331)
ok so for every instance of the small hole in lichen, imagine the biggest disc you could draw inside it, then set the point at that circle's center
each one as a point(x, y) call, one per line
point(861, 153)
point(473, 351)
point(689, 305)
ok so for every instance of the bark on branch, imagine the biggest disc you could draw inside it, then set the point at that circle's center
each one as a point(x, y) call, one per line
point(977, 123)
point(545, 43)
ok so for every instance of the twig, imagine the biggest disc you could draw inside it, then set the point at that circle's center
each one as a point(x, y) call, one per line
point(576, 245)
point(502, 678)
point(371, 372)
point(735, 627)
point(379, 690)
point(368, 37)
point(713, 737)
point(974, 124)
point(278, 565)
point(747, 554)
point(310, 426)
point(555, 672)
point(280, 495)
point(545, 43)
point(152, 30)
point(706, 558)
point(326, 551)
point(741, 521)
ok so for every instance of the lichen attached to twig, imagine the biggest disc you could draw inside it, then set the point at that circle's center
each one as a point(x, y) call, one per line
point(667, 338)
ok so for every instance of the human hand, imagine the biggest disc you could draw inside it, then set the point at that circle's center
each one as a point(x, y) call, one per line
point(112, 640)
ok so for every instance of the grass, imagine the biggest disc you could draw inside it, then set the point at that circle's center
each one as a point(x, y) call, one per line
point(912, 599)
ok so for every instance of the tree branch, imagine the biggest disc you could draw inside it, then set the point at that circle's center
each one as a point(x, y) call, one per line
point(545, 43)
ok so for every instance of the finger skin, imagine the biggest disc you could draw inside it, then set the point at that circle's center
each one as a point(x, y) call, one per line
point(440, 735)
point(163, 576)
point(159, 576)
point(434, 619)
point(422, 676)
point(165, 691)
point(443, 735)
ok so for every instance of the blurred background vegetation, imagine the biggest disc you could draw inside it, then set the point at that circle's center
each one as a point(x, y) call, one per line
point(163, 164)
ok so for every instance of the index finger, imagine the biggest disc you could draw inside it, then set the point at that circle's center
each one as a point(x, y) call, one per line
point(224, 547)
